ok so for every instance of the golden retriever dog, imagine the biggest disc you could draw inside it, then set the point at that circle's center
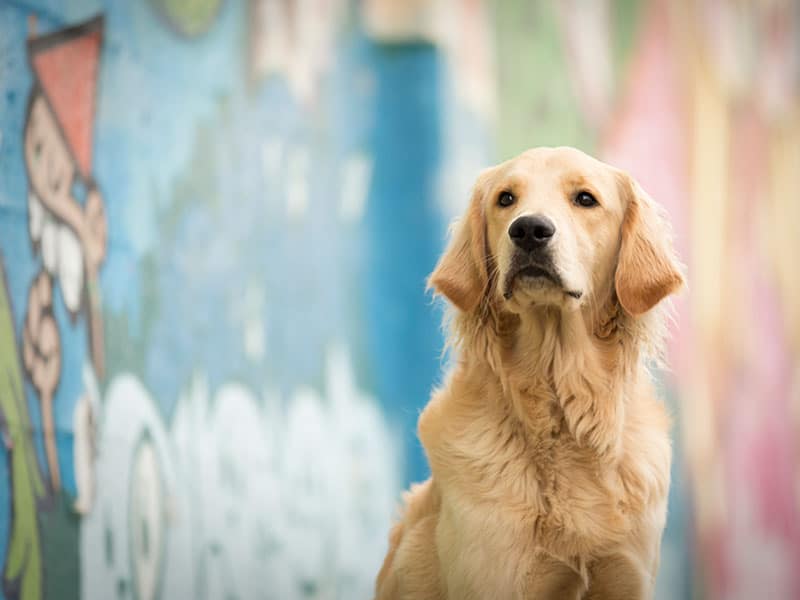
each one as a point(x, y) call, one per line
point(549, 451)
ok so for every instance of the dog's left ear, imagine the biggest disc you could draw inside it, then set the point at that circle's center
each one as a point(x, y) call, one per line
point(647, 269)
point(461, 275)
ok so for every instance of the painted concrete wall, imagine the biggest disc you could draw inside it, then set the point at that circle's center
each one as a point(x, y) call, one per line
point(216, 220)
point(202, 397)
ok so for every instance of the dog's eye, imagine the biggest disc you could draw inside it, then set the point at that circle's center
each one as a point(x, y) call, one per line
point(505, 199)
point(586, 200)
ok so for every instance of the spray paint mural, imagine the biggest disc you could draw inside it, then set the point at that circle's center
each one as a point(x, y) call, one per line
point(216, 220)
point(186, 405)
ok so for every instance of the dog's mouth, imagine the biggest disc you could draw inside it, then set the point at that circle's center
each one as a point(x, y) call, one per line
point(536, 275)
point(537, 272)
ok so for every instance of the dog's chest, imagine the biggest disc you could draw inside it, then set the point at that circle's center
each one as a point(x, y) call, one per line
point(530, 462)
point(542, 487)
point(493, 555)
point(470, 549)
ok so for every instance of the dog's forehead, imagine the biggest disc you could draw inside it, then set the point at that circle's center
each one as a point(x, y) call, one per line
point(559, 165)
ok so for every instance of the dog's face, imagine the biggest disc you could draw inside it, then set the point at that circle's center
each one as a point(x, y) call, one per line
point(552, 225)
point(555, 226)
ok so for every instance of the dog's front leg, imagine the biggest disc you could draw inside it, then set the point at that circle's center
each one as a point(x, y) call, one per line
point(552, 579)
point(620, 577)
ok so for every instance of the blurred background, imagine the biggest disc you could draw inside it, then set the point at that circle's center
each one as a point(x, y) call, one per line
point(216, 220)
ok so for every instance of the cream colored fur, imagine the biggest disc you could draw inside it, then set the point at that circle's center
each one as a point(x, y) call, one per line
point(548, 449)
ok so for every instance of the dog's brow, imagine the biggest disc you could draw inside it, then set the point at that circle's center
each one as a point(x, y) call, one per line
point(576, 180)
point(512, 183)
point(579, 182)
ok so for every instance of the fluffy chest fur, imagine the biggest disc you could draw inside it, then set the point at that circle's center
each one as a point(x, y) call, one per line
point(522, 487)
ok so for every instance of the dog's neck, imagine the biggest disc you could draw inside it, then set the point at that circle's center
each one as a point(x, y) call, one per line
point(585, 359)
point(541, 340)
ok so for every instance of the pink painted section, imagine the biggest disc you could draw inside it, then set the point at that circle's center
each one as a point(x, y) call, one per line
point(648, 138)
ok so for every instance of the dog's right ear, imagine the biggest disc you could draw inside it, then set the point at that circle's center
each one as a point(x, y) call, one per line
point(461, 275)
point(647, 268)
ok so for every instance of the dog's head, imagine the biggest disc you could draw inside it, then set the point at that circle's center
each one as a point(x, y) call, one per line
point(556, 227)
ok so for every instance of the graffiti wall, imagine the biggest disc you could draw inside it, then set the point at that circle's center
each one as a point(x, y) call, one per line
point(216, 221)
point(198, 399)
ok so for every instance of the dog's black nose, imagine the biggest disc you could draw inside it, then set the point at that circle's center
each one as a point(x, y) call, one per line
point(530, 233)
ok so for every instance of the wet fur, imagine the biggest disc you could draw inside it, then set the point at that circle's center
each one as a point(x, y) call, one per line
point(549, 450)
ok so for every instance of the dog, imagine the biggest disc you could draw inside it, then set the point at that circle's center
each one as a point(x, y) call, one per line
point(549, 450)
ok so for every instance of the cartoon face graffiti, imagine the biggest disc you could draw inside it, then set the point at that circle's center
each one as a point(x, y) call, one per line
point(71, 238)
point(70, 234)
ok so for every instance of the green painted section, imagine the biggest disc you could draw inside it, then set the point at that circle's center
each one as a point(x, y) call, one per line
point(60, 538)
point(189, 17)
point(23, 570)
point(536, 102)
point(625, 27)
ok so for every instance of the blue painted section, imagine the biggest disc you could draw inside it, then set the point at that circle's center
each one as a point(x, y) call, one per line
point(205, 255)
point(403, 235)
